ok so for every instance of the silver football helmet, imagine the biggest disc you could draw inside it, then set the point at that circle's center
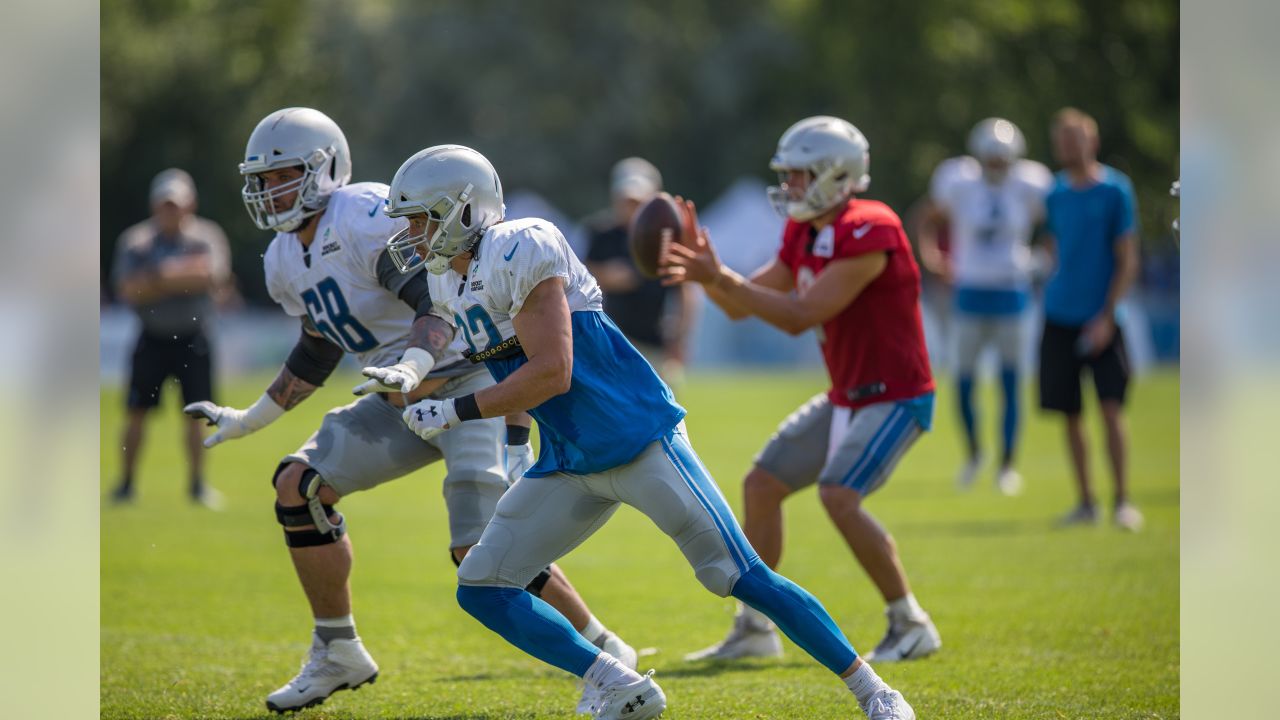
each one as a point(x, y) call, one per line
point(460, 193)
point(838, 160)
point(291, 137)
point(996, 141)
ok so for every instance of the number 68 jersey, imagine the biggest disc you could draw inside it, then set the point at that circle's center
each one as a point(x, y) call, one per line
point(335, 281)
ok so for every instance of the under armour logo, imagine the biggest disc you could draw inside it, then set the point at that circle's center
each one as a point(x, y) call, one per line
point(422, 416)
point(634, 704)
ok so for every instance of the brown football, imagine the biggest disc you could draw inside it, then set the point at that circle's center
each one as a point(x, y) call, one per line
point(645, 237)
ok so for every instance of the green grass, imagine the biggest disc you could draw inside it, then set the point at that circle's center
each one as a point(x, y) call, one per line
point(202, 615)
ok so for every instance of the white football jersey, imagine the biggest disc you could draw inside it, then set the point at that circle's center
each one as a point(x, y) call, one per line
point(510, 260)
point(335, 281)
point(991, 225)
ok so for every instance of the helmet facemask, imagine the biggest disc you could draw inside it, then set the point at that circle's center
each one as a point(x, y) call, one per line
point(452, 230)
point(829, 186)
point(313, 189)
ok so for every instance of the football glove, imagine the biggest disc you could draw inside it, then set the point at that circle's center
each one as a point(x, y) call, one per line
point(429, 418)
point(519, 460)
point(233, 423)
point(402, 377)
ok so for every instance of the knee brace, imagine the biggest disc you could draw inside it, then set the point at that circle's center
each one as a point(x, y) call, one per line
point(314, 512)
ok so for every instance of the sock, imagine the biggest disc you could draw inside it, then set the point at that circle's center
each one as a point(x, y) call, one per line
point(339, 628)
point(1009, 382)
point(606, 671)
point(530, 624)
point(197, 485)
point(798, 615)
point(906, 608)
point(755, 618)
point(864, 683)
point(967, 413)
point(594, 630)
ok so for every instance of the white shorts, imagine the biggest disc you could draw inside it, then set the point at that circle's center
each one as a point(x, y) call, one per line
point(971, 334)
point(364, 444)
point(857, 449)
point(541, 519)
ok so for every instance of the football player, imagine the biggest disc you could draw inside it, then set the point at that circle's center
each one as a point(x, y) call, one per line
point(992, 200)
point(611, 430)
point(846, 270)
point(328, 266)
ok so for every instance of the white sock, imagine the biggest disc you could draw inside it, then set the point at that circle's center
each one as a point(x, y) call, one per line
point(755, 618)
point(864, 683)
point(593, 630)
point(906, 608)
point(607, 672)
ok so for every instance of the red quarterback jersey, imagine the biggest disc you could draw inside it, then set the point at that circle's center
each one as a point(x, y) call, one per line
point(874, 348)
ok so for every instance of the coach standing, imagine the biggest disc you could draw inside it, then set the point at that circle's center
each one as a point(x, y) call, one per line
point(167, 268)
point(1091, 214)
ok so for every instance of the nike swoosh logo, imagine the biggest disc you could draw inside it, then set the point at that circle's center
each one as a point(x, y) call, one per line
point(511, 254)
point(907, 653)
point(862, 230)
point(374, 211)
point(304, 689)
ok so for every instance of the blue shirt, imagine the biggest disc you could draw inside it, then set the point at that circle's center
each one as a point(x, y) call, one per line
point(615, 407)
point(1086, 223)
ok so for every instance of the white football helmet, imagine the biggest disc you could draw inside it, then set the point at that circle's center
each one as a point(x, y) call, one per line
point(291, 137)
point(838, 160)
point(998, 140)
point(458, 189)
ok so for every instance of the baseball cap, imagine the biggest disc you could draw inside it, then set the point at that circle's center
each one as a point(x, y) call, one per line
point(173, 185)
point(635, 178)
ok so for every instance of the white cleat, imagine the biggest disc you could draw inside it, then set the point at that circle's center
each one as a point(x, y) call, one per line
point(640, 700)
point(618, 648)
point(1009, 482)
point(746, 639)
point(906, 640)
point(888, 704)
point(341, 665)
point(1127, 517)
point(622, 652)
point(969, 472)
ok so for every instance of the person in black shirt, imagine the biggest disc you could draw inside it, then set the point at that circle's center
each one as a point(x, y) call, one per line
point(655, 319)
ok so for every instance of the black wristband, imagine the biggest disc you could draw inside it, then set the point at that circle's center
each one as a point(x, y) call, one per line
point(466, 408)
point(517, 435)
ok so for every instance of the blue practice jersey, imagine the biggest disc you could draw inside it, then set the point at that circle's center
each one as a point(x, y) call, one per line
point(616, 404)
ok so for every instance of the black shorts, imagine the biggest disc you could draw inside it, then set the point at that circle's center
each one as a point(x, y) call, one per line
point(1061, 364)
point(155, 359)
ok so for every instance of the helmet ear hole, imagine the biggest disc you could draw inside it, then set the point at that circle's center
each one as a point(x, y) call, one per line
point(466, 215)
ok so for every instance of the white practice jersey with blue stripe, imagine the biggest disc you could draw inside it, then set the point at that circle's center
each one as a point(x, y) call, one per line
point(991, 224)
point(335, 282)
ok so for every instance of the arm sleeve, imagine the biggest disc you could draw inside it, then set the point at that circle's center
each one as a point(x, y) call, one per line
point(128, 258)
point(313, 359)
point(412, 288)
point(546, 256)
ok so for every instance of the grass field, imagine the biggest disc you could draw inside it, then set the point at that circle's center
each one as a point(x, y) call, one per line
point(202, 615)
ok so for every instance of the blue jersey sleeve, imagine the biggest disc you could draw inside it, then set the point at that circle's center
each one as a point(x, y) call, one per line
point(1125, 218)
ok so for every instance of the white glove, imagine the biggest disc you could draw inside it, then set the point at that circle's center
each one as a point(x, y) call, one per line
point(429, 418)
point(519, 460)
point(402, 377)
point(233, 423)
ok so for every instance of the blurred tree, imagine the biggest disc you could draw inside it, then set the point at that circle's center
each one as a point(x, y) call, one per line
point(555, 91)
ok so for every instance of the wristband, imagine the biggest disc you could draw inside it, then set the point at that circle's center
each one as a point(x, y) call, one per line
point(262, 413)
point(462, 409)
point(517, 435)
point(419, 360)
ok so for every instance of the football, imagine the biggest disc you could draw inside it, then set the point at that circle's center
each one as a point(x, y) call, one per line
point(645, 237)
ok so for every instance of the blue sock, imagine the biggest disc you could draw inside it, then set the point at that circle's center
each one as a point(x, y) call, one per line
point(530, 624)
point(798, 614)
point(965, 385)
point(1009, 382)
